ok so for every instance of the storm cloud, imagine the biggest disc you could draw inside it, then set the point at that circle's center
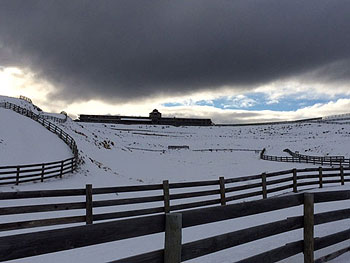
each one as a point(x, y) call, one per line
point(127, 50)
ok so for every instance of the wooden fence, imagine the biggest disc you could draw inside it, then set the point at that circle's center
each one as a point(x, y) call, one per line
point(21, 97)
point(333, 122)
point(39, 172)
point(321, 159)
point(36, 172)
point(271, 123)
point(300, 158)
point(53, 118)
point(29, 113)
point(345, 116)
point(227, 150)
point(32, 244)
point(97, 204)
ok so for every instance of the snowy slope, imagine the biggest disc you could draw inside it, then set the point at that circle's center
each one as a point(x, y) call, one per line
point(132, 154)
point(114, 155)
point(24, 141)
point(20, 102)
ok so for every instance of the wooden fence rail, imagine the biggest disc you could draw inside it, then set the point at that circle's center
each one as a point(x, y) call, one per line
point(39, 172)
point(32, 244)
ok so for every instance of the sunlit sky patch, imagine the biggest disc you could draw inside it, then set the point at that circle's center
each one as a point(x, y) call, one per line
point(257, 102)
point(264, 103)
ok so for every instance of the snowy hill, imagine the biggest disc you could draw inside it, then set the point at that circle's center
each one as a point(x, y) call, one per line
point(23, 141)
point(114, 155)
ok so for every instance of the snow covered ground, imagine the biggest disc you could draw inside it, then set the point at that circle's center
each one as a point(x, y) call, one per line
point(114, 155)
point(23, 141)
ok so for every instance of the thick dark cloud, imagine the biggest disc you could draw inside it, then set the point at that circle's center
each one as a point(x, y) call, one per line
point(132, 49)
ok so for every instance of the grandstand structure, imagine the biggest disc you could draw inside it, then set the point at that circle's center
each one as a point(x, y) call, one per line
point(154, 118)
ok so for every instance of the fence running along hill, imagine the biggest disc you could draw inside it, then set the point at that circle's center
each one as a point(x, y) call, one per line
point(321, 159)
point(32, 244)
point(21, 97)
point(345, 116)
point(273, 122)
point(299, 158)
point(39, 172)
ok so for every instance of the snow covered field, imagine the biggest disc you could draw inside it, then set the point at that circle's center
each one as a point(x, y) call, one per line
point(115, 155)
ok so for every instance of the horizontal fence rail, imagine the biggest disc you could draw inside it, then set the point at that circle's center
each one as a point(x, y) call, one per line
point(39, 172)
point(32, 244)
point(300, 158)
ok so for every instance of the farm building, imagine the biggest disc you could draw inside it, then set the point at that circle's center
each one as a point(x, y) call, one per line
point(154, 118)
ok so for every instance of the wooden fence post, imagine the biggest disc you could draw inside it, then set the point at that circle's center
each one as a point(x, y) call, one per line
point(264, 190)
point(295, 181)
point(42, 172)
point(17, 176)
point(89, 215)
point(61, 172)
point(72, 165)
point(342, 175)
point(166, 196)
point(308, 228)
point(222, 190)
point(320, 177)
point(173, 238)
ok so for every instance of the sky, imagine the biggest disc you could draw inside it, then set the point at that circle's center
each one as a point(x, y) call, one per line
point(230, 60)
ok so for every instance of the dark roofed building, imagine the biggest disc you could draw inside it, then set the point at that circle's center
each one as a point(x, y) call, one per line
point(155, 114)
point(155, 117)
